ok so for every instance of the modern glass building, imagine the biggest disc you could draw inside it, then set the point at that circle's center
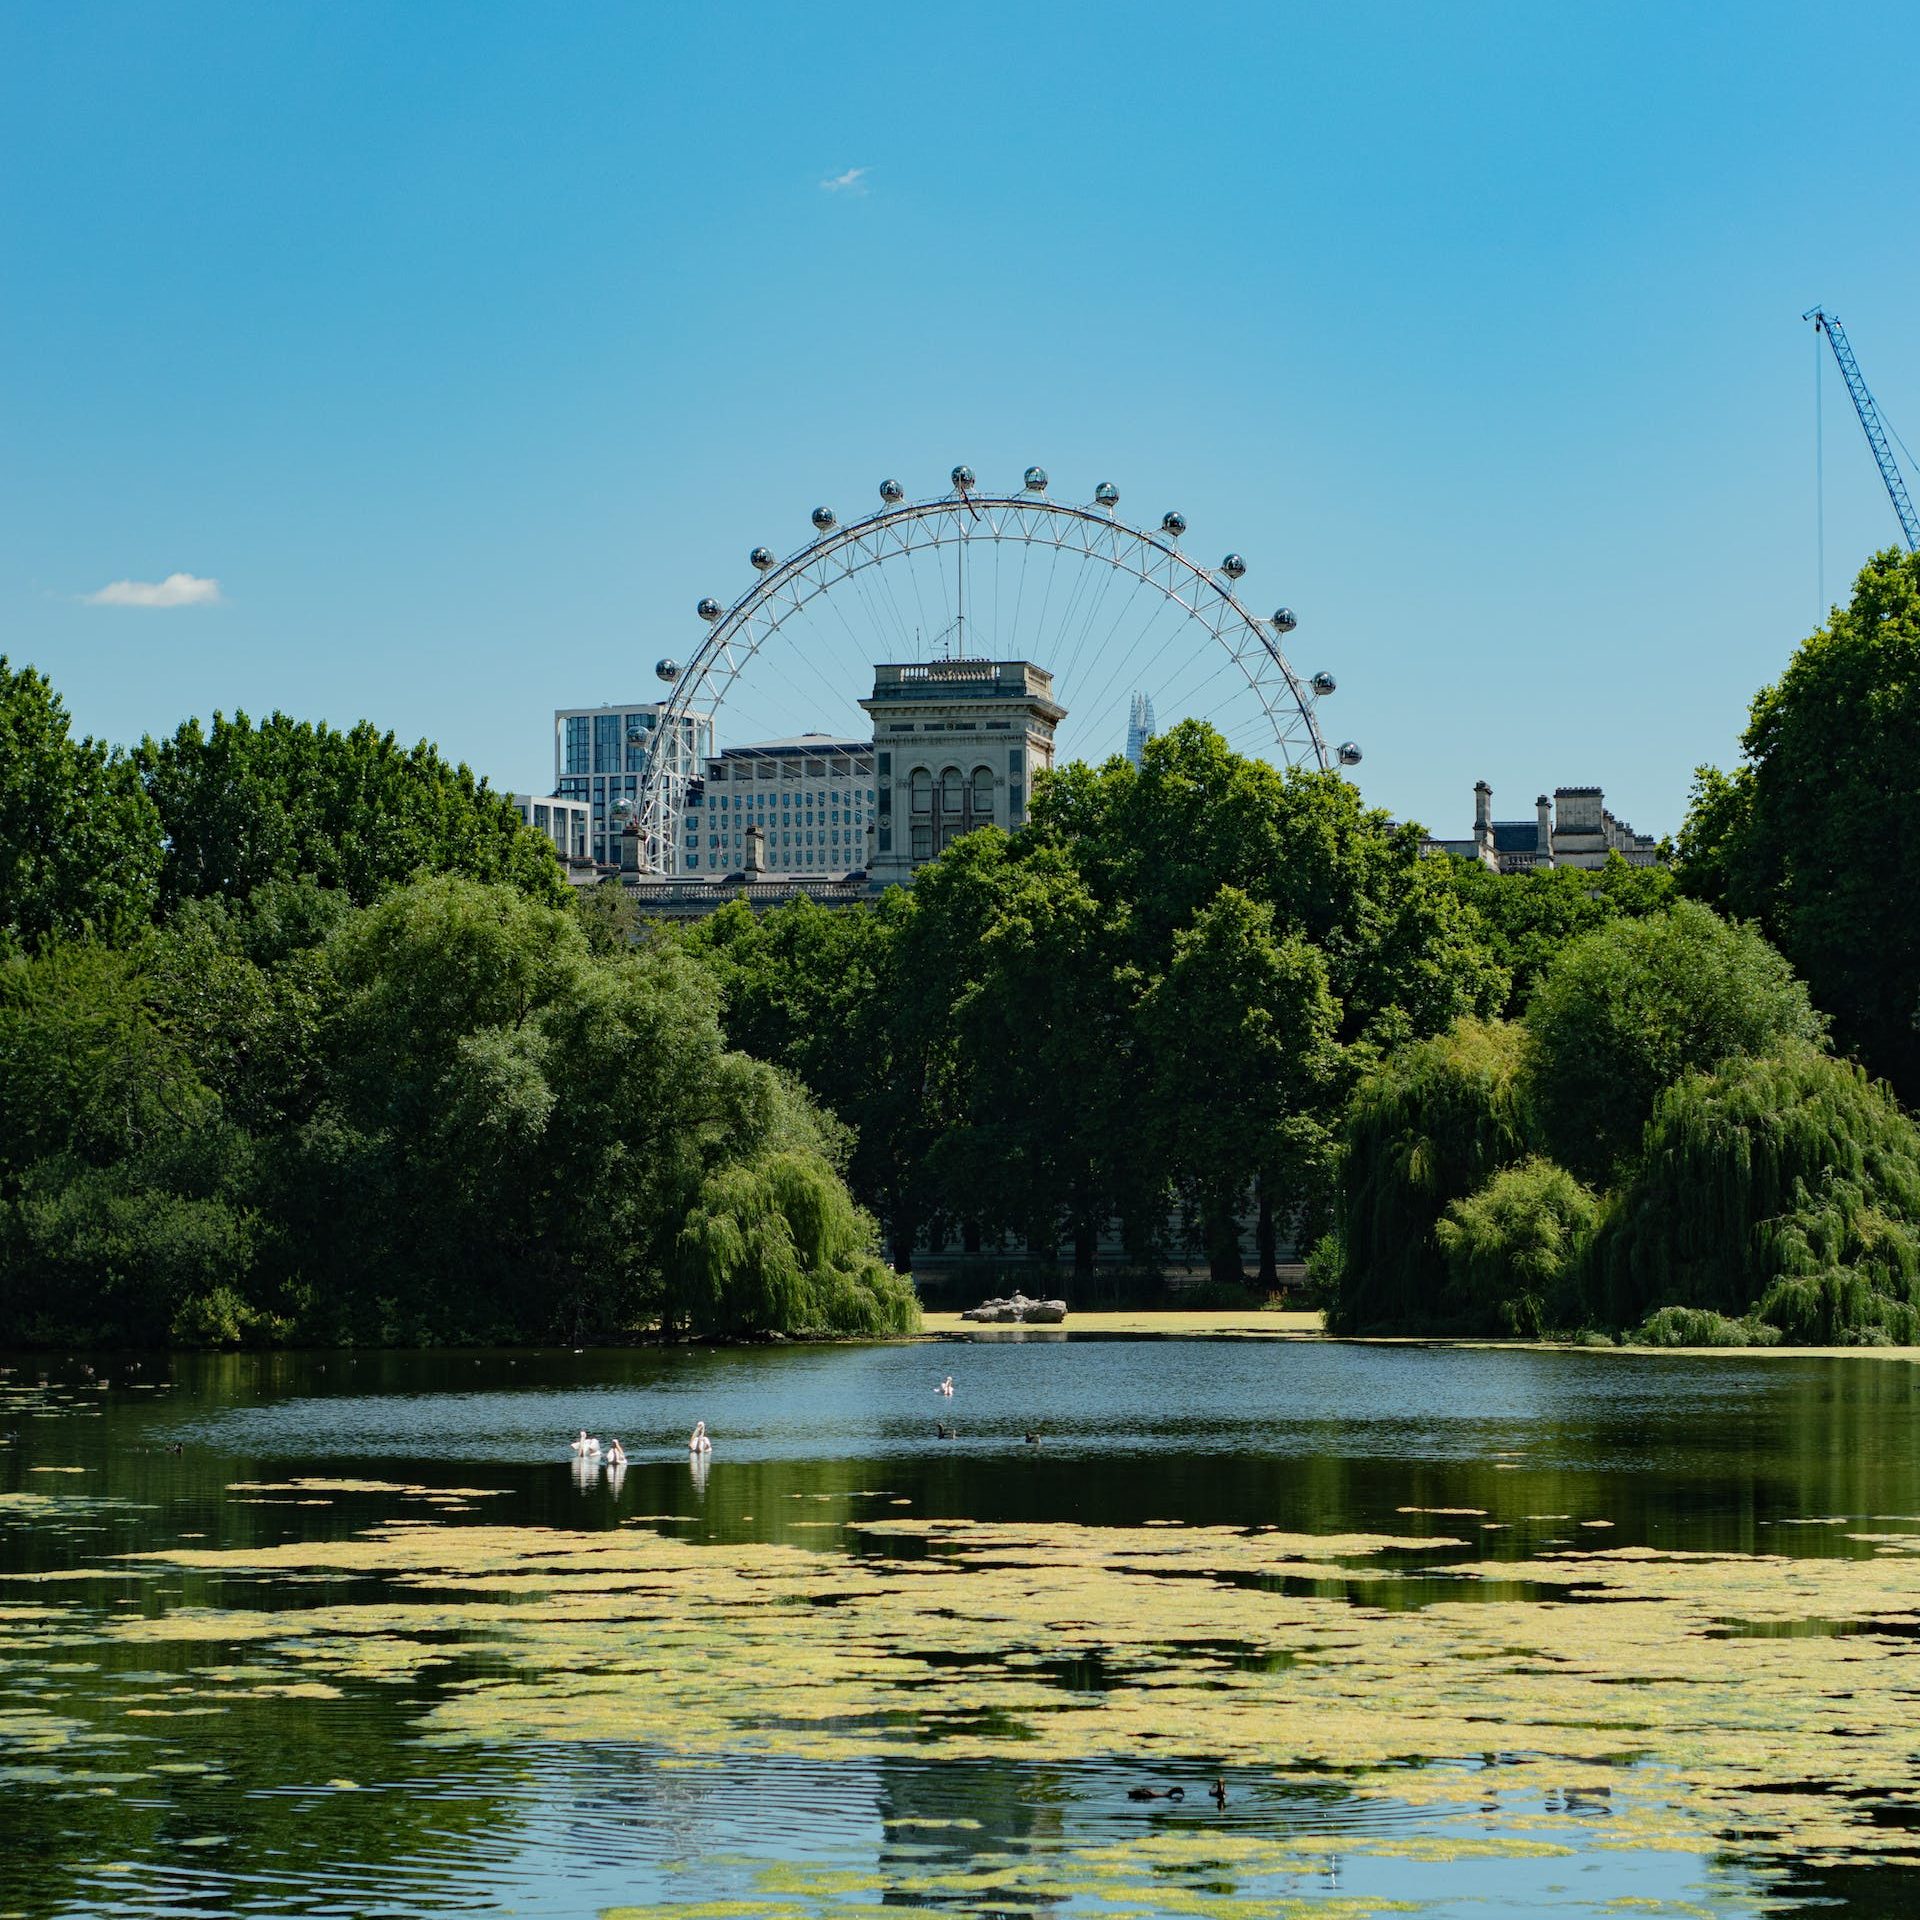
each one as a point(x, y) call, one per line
point(1139, 726)
point(598, 754)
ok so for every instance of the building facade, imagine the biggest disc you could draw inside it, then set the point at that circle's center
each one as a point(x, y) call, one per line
point(567, 823)
point(1573, 829)
point(811, 797)
point(956, 744)
point(598, 754)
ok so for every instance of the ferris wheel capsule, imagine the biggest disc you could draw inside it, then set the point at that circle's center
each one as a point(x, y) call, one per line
point(1349, 754)
point(760, 559)
point(1324, 683)
point(667, 670)
point(1233, 566)
point(1283, 620)
point(1173, 523)
point(1035, 480)
point(963, 480)
point(709, 609)
point(1106, 494)
point(892, 492)
point(824, 519)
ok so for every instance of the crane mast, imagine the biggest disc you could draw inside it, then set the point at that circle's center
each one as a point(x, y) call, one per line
point(1896, 486)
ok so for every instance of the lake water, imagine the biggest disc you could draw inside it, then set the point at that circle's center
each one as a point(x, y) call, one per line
point(1459, 1632)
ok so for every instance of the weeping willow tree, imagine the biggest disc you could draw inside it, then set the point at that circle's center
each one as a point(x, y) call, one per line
point(1779, 1193)
point(1513, 1249)
point(1427, 1127)
point(777, 1245)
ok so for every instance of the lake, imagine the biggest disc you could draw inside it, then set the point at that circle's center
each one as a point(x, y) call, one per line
point(1459, 1632)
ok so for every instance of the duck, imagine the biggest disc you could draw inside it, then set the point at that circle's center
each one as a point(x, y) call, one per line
point(946, 1432)
point(1219, 1792)
point(1033, 1439)
point(585, 1443)
point(946, 1387)
point(1156, 1793)
point(697, 1441)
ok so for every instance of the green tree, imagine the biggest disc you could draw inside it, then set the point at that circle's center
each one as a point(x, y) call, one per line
point(1780, 1192)
point(79, 840)
point(1241, 1063)
point(1624, 1011)
point(1528, 917)
point(125, 1203)
point(1817, 834)
point(242, 805)
point(1428, 1126)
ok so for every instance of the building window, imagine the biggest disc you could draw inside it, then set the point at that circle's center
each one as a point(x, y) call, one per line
point(922, 791)
point(606, 743)
point(922, 842)
point(577, 761)
point(982, 795)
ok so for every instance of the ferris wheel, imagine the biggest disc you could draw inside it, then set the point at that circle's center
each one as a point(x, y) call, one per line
point(1117, 612)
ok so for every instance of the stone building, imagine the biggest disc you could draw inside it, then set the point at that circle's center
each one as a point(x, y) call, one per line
point(811, 796)
point(956, 744)
point(1573, 829)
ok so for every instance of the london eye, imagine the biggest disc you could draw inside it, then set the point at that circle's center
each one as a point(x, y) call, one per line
point(1110, 607)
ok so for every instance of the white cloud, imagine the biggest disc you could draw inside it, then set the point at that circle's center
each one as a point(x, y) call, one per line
point(176, 590)
point(854, 180)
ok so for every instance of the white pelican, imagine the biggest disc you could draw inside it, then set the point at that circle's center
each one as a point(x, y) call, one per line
point(946, 1387)
point(697, 1441)
point(586, 1443)
point(616, 1455)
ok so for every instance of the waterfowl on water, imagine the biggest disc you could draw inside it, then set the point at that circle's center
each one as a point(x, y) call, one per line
point(946, 1432)
point(616, 1455)
point(697, 1441)
point(1156, 1793)
point(946, 1387)
point(586, 1443)
point(1033, 1439)
point(1219, 1792)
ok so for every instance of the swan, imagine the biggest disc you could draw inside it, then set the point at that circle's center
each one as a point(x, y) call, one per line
point(586, 1443)
point(697, 1441)
point(946, 1387)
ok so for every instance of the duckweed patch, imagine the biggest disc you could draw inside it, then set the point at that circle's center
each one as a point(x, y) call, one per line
point(1677, 1696)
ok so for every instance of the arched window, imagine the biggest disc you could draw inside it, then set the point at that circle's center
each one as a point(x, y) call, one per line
point(922, 790)
point(952, 800)
point(982, 795)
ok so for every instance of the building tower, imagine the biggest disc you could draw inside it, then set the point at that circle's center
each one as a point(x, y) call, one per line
point(956, 744)
point(1139, 726)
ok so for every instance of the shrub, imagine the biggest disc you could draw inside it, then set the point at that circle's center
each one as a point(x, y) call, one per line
point(1699, 1327)
point(1511, 1249)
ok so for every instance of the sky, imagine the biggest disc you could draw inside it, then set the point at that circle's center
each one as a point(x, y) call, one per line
point(427, 363)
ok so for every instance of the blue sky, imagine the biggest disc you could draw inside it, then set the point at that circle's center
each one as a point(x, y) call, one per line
point(467, 346)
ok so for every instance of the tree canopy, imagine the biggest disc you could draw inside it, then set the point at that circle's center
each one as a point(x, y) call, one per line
point(79, 839)
point(241, 804)
point(1816, 835)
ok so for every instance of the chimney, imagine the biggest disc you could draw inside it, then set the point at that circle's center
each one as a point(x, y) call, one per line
point(1483, 822)
point(1543, 832)
point(756, 863)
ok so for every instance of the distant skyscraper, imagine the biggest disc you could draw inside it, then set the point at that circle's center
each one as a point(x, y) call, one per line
point(1139, 726)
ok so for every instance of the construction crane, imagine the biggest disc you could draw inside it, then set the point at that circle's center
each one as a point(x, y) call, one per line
point(1825, 322)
